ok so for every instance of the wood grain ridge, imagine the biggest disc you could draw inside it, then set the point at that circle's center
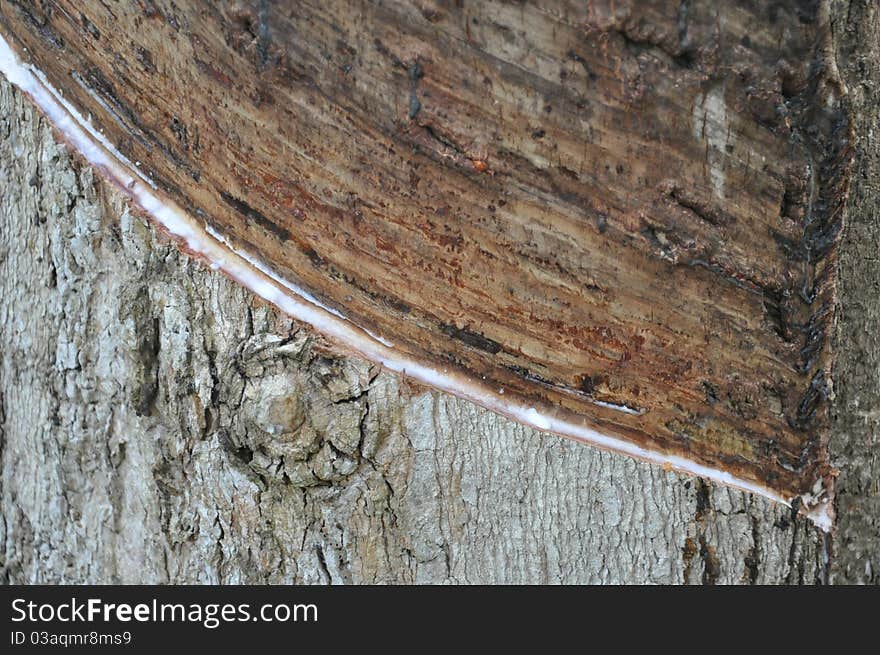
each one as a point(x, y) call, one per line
point(616, 221)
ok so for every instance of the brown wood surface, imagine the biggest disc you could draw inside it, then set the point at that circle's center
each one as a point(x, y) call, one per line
point(591, 205)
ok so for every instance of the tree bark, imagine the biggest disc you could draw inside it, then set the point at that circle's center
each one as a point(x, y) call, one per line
point(160, 424)
point(855, 430)
point(617, 220)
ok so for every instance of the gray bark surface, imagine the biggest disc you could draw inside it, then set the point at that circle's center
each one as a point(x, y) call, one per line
point(855, 437)
point(160, 424)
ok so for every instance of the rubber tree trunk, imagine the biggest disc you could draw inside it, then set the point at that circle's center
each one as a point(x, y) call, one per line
point(159, 424)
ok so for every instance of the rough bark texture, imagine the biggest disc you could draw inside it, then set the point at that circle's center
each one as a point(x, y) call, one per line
point(159, 424)
point(616, 215)
point(855, 444)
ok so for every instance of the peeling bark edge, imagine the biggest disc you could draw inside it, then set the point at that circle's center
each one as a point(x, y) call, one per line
point(202, 243)
point(832, 159)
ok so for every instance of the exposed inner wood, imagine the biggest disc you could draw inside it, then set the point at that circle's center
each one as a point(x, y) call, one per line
point(621, 213)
